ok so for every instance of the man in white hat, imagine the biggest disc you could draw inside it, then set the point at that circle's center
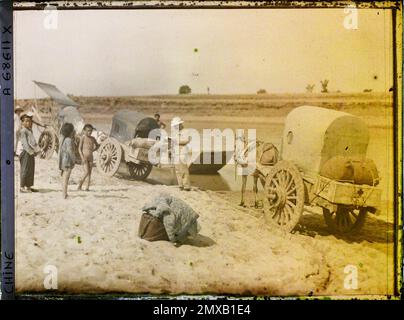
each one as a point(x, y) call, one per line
point(29, 150)
point(17, 127)
point(181, 153)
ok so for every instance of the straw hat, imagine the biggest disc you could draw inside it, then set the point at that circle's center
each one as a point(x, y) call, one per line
point(176, 121)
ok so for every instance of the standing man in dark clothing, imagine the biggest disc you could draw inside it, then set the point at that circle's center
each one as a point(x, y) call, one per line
point(27, 156)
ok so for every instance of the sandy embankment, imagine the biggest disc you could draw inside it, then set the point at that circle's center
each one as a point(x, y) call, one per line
point(92, 240)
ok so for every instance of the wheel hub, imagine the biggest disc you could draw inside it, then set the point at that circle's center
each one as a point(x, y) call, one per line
point(278, 197)
point(106, 157)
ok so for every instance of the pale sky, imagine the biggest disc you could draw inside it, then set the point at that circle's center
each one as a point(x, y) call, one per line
point(147, 52)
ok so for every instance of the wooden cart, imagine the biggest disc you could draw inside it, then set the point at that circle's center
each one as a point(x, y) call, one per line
point(118, 150)
point(311, 137)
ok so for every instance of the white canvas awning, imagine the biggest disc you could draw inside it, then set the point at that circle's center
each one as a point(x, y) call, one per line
point(53, 92)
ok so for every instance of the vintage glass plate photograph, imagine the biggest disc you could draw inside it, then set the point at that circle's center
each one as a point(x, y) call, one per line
point(201, 149)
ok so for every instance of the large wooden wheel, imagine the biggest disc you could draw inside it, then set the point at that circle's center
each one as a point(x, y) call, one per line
point(139, 171)
point(346, 220)
point(109, 157)
point(48, 142)
point(284, 196)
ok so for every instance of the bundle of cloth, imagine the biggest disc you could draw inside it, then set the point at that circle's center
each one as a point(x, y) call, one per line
point(168, 218)
point(351, 169)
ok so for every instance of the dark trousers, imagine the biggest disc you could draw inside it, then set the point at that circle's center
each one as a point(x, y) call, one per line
point(27, 169)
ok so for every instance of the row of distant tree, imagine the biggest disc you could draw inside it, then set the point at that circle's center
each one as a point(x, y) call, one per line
point(185, 89)
point(309, 87)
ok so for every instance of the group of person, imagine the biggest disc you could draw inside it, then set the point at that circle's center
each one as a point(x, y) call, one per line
point(67, 155)
point(27, 148)
point(25, 141)
point(165, 218)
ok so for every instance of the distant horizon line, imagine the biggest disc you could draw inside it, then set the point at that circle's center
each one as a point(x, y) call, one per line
point(217, 94)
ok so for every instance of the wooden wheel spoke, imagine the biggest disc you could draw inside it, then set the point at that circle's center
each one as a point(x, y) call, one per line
point(290, 203)
point(276, 183)
point(354, 214)
point(285, 178)
point(289, 211)
point(274, 212)
point(345, 220)
point(108, 166)
point(289, 183)
point(285, 195)
point(139, 171)
point(279, 214)
point(288, 180)
point(281, 179)
point(291, 191)
point(109, 158)
point(348, 219)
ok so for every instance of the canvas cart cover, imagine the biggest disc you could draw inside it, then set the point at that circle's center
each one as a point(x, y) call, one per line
point(313, 135)
point(54, 93)
point(126, 124)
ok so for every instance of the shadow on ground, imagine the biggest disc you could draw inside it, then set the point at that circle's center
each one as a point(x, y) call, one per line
point(199, 241)
point(374, 230)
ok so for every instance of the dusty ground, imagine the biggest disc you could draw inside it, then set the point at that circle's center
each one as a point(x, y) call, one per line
point(92, 236)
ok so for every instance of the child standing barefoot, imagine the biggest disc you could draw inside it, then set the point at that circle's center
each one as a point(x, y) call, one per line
point(87, 146)
point(66, 155)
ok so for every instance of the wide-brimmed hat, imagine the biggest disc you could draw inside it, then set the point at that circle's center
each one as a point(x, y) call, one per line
point(176, 121)
point(26, 115)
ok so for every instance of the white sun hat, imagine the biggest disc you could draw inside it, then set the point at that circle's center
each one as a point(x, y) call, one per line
point(27, 115)
point(176, 121)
